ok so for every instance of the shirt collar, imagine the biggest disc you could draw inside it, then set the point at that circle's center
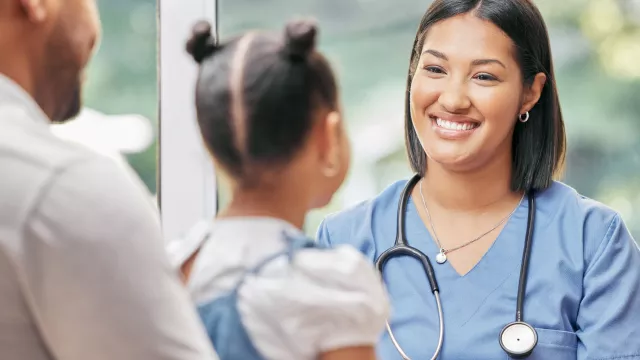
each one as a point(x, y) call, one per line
point(13, 94)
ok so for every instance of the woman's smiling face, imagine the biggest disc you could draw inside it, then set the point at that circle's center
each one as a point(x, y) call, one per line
point(467, 92)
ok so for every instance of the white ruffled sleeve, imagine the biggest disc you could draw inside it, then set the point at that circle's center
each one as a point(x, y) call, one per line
point(323, 300)
point(181, 249)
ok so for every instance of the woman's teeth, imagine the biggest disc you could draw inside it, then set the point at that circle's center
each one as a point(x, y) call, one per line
point(452, 125)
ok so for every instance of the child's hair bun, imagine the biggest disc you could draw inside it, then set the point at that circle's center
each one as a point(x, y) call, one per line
point(300, 38)
point(202, 42)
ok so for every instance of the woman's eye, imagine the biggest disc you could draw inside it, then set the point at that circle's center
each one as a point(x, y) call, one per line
point(485, 77)
point(434, 69)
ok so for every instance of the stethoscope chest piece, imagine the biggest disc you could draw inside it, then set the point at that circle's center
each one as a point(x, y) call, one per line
point(518, 339)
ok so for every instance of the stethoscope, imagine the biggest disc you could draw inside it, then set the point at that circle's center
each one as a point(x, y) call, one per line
point(517, 339)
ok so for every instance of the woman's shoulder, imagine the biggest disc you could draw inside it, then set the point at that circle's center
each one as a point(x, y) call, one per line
point(569, 214)
point(386, 199)
point(562, 200)
point(355, 225)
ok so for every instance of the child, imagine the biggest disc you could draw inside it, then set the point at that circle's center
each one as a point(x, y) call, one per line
point(269, 114)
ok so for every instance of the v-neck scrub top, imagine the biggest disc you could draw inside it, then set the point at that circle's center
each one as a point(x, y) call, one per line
point(583, 286)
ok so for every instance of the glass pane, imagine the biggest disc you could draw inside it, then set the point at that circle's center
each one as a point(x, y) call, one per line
point(122, 77)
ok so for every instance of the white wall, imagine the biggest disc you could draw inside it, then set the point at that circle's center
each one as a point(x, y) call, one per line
point(186, 182)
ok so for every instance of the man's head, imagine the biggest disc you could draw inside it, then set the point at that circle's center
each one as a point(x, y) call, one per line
point(45, 46)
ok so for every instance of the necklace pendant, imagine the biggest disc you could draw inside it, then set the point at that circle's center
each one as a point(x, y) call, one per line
point(441, 258)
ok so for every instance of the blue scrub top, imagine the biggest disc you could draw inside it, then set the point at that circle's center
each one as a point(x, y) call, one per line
point(583, 289)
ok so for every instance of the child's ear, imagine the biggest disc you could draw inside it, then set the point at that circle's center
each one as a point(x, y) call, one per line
point(35, 10)
point(331, 131)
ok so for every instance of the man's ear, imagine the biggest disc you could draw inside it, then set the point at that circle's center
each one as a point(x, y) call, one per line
point(35, 10)
point(533, 92)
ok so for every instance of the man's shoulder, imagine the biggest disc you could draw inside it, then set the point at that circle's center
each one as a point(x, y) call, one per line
point(34, 163)
point(26, 144)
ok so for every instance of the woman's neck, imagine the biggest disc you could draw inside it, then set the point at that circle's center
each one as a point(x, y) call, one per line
point(283, 203)
point(469, 191)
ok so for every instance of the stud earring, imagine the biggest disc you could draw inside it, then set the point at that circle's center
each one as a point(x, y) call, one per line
point(524, 117)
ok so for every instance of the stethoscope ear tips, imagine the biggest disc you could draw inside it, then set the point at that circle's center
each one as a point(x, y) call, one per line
point(518, 339)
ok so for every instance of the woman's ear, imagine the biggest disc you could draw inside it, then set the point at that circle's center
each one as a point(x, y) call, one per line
point(331, 133)
point(533, 92)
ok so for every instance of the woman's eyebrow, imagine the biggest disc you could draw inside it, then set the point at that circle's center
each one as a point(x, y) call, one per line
point(436, 53)
point(487, 61)
point(476, 62)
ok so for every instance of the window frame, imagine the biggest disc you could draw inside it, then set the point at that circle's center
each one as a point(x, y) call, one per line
point(187, 189)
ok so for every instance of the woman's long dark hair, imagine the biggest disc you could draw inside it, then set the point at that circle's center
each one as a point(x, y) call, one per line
point(538, 147)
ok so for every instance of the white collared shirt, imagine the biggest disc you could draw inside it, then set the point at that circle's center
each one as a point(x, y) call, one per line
point(83, 273)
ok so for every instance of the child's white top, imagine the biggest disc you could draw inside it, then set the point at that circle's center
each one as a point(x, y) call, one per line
point(323, 300)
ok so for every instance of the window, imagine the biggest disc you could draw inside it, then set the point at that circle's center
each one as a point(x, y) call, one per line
point(595, 47)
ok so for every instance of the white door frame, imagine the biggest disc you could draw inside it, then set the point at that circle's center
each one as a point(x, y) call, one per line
point(186, 178)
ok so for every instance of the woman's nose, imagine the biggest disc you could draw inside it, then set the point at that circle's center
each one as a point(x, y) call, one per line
point(454, 98)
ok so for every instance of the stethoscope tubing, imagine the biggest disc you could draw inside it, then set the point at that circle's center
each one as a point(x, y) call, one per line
point(402, 248)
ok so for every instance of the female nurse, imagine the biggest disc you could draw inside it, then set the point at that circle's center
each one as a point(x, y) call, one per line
point(484, 130)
